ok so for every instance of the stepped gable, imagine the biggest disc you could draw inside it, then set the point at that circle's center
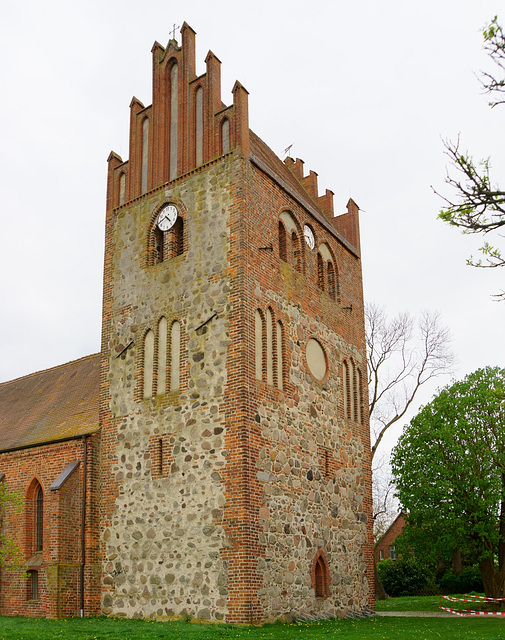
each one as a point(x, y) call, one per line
point(54, 404)
point(263, 152)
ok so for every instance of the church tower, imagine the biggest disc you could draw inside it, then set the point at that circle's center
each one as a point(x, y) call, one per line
point(236, 481)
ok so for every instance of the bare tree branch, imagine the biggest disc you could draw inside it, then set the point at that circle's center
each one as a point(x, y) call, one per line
point(494, 45)
point(477, 205)
point(402, 356)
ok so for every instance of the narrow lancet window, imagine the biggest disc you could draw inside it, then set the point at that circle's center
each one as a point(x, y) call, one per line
point(258, 345)
point(39, 519)
point(282, 242)
point(33, 585)
point(321, 578)
point(174, 118)
point(175, 356)
point(145, 153)
point(176, 238)
point(331, 281)
point(295, 248)
point(225, 135)
point(270, 363)
point(352, 390)
point(320, 272)
point(162, 356)
point(347, 390)
point(357, 394)
point(148, 364)
point(122, 188)
point(199, 126)
point(280, 364)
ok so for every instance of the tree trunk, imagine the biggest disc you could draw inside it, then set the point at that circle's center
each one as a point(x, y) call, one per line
point(380, 592)
point(493, 580)
point(457, 565)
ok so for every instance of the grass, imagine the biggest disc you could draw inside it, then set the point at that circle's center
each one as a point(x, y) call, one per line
point(375, 628)
point(409, 603)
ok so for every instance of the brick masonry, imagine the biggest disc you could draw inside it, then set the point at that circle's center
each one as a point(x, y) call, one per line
point(382, 549)
point(242, 492)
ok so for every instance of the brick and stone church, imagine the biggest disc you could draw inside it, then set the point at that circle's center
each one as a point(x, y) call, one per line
point(212, 461)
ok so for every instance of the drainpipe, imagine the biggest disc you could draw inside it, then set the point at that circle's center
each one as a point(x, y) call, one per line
point(83, 519)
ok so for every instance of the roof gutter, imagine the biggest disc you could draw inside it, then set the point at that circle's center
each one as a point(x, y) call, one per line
point(46, 442)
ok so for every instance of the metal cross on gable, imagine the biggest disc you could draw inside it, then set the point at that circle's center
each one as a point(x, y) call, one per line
point(173, 32)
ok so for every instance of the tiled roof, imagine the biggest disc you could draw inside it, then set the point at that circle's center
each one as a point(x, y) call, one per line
point(50, 405)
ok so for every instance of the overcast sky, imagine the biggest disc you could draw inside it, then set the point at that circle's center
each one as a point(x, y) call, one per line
point(364, 92)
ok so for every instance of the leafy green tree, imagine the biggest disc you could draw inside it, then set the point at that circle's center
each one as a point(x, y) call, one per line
point(449, 469)
point(478, 204)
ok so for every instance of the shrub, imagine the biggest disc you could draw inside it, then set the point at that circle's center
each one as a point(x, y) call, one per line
point(405, 576)
point(468, 580)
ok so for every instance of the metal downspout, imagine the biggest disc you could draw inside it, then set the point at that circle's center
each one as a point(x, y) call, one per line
point(83, 519)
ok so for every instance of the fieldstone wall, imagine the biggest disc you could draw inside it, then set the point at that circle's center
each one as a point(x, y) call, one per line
point(312, 472)
point(164, 534)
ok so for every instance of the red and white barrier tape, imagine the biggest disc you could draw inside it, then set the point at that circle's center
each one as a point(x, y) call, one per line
point(468, 612)
point(469, 598)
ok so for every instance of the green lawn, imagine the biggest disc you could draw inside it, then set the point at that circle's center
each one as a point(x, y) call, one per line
point(410, 603)
point(364, 629)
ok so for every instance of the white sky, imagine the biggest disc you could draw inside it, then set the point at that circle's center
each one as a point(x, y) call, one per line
point(363, 91)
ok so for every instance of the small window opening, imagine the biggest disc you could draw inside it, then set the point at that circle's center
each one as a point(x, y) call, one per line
point(321, 578)
point(295, 246)
point(225, 135)
point(282, 242)
point(177, 238)
point(158, 245)
point(33, 585)
point(320, 272)
point(39, 516)
point(332, 291)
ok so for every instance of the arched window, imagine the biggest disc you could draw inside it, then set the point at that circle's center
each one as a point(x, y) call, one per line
point(321, 576)
point(32, 585)
point(332, 290)
point(282, 242)
point(320, 271)
point(145, 154)
point(174, 119)
point(122, 188)
point(289, 243)
point(258, 345)
point(165, 245)
point(199, 126)
point(225, 135)
point(280, 354)
point(34, 513)
point(175, 239)
point(148, 364)
point(159, 245)
point(357, 395)
point(295, 248)
point(270, 347)
point(175, 356)
point(39, 519)
point(347, 390)
point(162, 356)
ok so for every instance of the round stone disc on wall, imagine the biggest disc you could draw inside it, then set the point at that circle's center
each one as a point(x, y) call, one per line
point(316, 359)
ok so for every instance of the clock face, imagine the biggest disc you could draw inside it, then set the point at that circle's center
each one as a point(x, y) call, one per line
point(309, 236)
point(167, 217)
